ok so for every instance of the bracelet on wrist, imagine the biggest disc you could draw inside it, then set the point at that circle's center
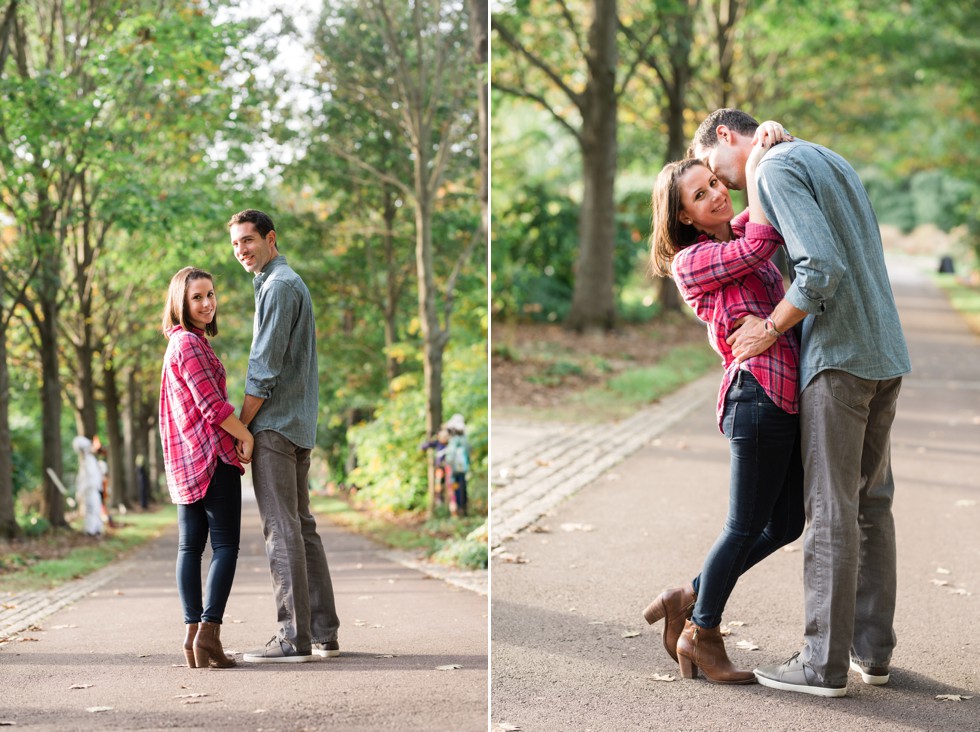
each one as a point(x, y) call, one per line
point(771, 327)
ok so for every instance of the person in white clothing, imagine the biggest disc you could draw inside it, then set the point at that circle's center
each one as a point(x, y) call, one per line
point(88, 485)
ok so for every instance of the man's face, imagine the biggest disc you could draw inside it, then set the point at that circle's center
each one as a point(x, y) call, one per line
point(726, 159)
point(252, 250)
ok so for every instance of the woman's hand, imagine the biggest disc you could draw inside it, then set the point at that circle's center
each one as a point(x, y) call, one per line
point(244, 449)
point(771, 133)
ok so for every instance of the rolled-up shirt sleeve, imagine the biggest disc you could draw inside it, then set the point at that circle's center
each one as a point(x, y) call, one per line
point(276, 309)
point(787, 198)
point(710, 265)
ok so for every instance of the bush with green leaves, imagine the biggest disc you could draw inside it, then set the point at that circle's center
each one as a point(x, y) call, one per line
point(391, 472)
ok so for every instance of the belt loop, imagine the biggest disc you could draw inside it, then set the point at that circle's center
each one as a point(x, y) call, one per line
point(738, 378)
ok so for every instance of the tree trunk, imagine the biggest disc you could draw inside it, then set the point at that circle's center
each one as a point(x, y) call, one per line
point(433, 337)
point(51, 457)
point(392, 288)
point(479, 31)
point(129, 429)
point(86, 417)
point(8, 520)
point(117, 477)
point(593, 303)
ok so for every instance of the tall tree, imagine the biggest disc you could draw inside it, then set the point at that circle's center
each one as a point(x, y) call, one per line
point(582, 91)
point(404, 66)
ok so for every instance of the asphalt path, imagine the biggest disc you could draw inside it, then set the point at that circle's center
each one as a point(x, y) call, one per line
point(107, 655)
point(571, 651)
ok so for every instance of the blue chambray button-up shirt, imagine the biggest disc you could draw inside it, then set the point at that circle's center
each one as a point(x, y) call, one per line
point(816, 200)
point(282, 367)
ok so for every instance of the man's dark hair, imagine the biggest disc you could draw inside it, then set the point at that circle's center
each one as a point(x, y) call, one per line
point(733, 119)
point(263, 223)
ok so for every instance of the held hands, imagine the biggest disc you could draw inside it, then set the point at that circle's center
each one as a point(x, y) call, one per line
point(750, 339)
point(244, 450)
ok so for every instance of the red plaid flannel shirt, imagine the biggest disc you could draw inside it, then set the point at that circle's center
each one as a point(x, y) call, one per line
point(724, 281)
point(193, 402)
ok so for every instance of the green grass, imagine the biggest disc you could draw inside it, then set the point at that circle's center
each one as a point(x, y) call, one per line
point(442, 539)
point(964, 298)
point(626, 392)
point(25, 568)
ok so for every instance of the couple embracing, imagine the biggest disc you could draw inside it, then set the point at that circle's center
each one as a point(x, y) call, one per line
point(812, 376)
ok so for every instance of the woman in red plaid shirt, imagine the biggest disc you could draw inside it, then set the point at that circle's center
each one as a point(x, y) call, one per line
point(723, 270)
point(204, 446)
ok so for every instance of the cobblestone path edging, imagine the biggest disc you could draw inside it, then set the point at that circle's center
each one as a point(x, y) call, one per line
point(542, 474)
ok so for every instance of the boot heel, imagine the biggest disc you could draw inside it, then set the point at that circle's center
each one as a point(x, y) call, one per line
point(190, 634)
point(689, 669)
point(201, 657)
point(655, 611)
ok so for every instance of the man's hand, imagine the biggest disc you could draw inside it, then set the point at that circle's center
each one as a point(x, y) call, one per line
point(750, 339)
point(244, 451)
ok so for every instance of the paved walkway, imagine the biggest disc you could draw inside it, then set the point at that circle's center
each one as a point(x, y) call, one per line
point(535, 468)
point(104, 652)
point(570, 649)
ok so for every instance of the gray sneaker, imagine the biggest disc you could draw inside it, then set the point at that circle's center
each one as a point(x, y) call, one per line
point(794, 675)
point(327, 649)
point(276, 651)
point(874, 675)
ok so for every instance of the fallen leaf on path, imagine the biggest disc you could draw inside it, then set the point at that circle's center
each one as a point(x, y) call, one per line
point(386, 655)
point(540, 530)
point(512, 558)
point(449, 667)
point(747, 645)
point(663, 677)
point(542, 463)
point(736, 623)
point(190, 696)
point(99, 709)
point(28, 639)
point(952, 697)
point(939, 583)
point(958, 591)
point(631, 633)
point(725, 632)
point(791, 548)
point(508, 727)
point(81, 686)
point(8, 606)
point(577, 527)
point(942, 570)
point(118, 592)
point(7, 723)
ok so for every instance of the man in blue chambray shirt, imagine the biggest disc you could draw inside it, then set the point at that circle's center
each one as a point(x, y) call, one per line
point(853, 356)
point(280, 409)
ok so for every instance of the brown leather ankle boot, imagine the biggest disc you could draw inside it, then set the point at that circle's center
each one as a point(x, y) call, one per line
point(704, 648)
point(207, 647)
point(676, 605)
point(189, 644)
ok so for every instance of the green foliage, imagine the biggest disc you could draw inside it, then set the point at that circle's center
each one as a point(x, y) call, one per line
point(391, 473)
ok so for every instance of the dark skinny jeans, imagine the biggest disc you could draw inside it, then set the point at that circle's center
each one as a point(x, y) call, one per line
point(765, 504)
point(219, 514)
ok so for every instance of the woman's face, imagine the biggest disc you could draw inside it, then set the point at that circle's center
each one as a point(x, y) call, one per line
point(705, 202)
point(201, 302)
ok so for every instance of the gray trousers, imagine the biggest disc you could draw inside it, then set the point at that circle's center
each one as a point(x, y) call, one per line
point(849, 545)
point(300, 576)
